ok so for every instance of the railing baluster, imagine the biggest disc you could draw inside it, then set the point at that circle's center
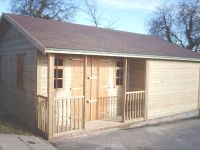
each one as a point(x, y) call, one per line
point(129, 106)
point(138, 105)
point(74, 115)
point(137, 109)
point(62, 115)
point(135, 106)
point(58, 105)
point(78, 113)
point(83, 110)
point(70, 114)
point(132, 104)
point(103, 107)
point(66, 101)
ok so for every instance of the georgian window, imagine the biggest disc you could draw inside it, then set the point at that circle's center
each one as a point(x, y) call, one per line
point(58, 72)
point(119, 72)
point(20, 71)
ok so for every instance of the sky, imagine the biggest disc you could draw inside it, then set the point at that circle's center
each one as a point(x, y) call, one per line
point(129, 15)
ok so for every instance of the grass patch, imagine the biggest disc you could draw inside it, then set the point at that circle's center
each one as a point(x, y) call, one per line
point(10, 125)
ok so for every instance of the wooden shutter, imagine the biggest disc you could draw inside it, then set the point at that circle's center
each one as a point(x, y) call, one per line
point(20, 71)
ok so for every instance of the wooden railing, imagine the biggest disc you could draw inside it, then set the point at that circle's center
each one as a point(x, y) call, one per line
point(42, 113)
point(134, 105)
point(109, 107)
point(68, 114)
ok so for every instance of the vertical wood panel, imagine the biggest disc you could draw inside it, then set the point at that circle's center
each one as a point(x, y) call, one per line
point(124, 85)
point(51, 58)
point(84, 91)
point(146, 89)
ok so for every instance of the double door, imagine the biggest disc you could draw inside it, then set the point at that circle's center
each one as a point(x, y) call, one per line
point(97, 76)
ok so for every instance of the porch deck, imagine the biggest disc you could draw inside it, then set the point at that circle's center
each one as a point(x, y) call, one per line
point(97, 124)
point(67, 119)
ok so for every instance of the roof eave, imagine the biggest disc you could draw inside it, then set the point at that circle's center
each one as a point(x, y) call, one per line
point(33, 40)
point(97, 53)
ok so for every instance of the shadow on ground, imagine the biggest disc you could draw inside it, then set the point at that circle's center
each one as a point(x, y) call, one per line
point(10, 125)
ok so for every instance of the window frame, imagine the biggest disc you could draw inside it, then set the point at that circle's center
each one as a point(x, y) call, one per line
point(58, 67)
point(121, 69)
point(20, 71)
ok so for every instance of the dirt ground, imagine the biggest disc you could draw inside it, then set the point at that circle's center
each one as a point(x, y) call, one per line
point(179, 135)
point(10, 125)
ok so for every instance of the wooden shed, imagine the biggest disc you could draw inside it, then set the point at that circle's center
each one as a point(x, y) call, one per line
point(61, 77)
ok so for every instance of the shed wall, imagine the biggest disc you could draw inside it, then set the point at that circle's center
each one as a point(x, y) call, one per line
point(136, 75)
point(172, 87)
point(42, 74)
point(18, 102)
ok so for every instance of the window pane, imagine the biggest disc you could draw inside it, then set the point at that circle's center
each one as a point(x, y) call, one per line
point(121, 81)
point(60, 62)
point(119, 73)
point(119, 63)
point(55, 73)
point(60, 83)
point(117, 81)
point(55, 83)
point(55, 62)
point(60, 73)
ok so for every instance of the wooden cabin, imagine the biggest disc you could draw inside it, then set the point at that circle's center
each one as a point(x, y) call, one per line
point(61, 77)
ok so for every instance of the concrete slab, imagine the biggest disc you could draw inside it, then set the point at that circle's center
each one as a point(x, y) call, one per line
point(179, 135)
point(19, 142)
point(1, 112)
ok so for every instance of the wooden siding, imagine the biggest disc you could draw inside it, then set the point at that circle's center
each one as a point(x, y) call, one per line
point(136, 75)
point(172, 87)
point(67, 90)
point(18, 102)
point(42, 74)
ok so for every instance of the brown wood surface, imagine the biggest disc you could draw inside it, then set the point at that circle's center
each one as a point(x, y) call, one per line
point(172, 87)
point(77, 76)
point(77, 88)
point(103, 86)
point(91, 94)
point(16, 101)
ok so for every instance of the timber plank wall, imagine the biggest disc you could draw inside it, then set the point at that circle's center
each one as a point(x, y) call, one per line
point(18, 102)
point(172, 87)
point(136, 75)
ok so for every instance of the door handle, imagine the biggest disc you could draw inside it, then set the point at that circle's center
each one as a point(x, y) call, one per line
point(92, 101)
point(92, 77)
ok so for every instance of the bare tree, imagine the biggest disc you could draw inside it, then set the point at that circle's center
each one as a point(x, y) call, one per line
point(178, 24)
point(91, 9)
point(48, 9)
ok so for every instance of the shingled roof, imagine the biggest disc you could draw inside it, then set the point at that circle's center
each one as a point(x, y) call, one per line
point(61, 36)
